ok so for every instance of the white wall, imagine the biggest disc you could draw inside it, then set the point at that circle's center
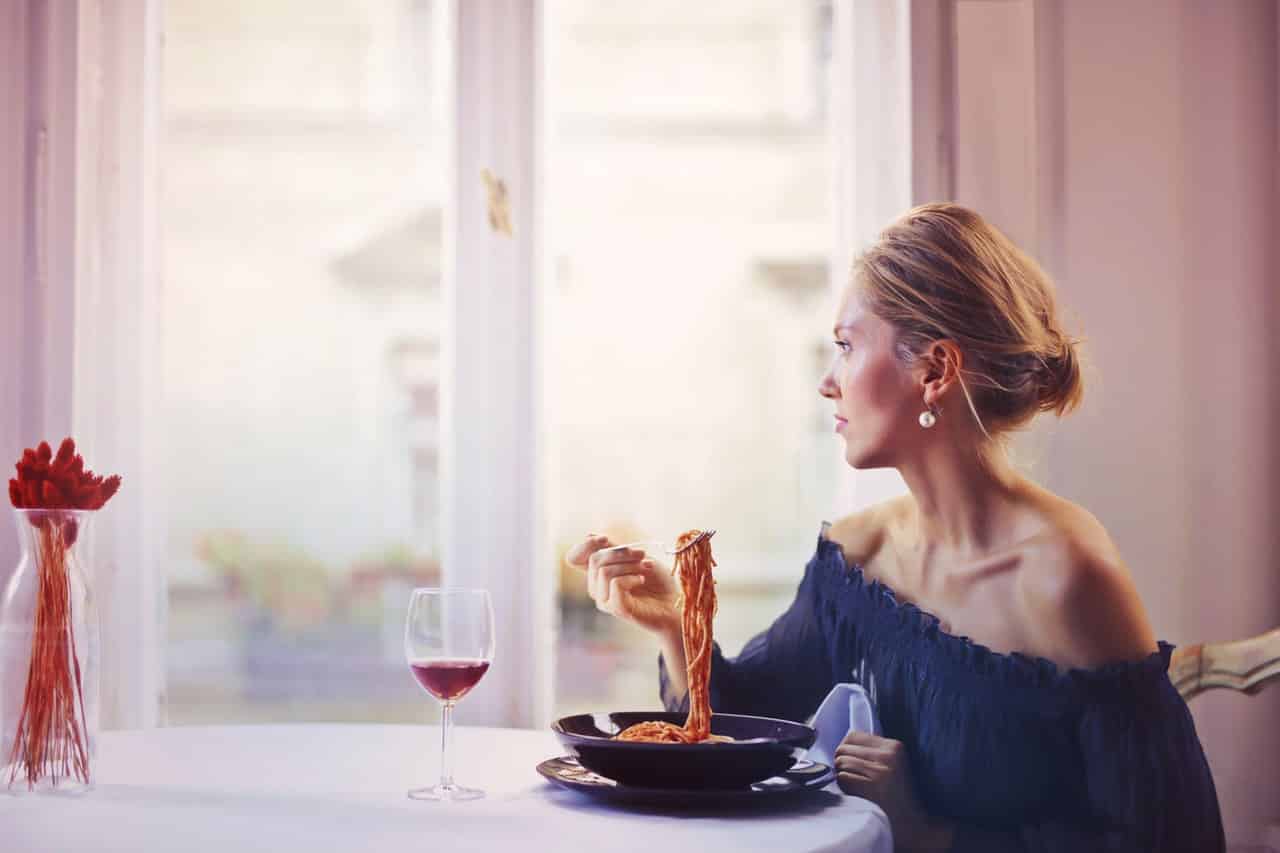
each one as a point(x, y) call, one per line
point(1145, 177)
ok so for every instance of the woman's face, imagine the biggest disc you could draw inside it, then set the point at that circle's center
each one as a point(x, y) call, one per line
point(877, 399)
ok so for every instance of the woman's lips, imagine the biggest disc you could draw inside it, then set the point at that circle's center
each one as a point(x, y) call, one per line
point(840, 423)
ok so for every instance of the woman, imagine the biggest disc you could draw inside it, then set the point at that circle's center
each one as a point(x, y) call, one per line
point(1023, 697)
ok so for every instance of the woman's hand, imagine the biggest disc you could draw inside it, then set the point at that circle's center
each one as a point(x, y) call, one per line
point(629, 584)
point(878, 769)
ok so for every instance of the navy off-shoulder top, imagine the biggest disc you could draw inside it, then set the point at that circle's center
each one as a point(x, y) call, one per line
point(1022, 755)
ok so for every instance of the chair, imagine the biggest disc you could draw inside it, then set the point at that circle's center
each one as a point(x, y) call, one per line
point(1243, 665)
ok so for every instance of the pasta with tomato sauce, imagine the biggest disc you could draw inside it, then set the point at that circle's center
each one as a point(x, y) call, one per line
point(698, 608)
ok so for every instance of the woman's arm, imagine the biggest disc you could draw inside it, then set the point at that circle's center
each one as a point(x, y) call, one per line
point(674, 665)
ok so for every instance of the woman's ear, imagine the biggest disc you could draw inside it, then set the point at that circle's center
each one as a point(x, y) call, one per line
point(941, 363)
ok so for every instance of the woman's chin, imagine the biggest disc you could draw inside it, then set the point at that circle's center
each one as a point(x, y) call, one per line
point(863, 458)
point(854, 456)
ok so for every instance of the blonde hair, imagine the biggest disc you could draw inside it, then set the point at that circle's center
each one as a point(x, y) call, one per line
point(943, 272)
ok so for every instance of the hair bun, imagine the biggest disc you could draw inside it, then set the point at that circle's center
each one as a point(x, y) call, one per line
point(1061, 385)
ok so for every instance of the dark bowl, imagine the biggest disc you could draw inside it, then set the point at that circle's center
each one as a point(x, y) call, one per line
point(762, 747)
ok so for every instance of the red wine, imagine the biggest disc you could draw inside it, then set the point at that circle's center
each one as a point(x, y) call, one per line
point(449, 679)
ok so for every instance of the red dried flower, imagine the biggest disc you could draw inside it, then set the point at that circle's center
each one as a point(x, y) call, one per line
point(109, 487)
point(65, 451)
point(46, 481)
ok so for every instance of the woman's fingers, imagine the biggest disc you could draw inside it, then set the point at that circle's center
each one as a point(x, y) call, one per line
point(579, 554)
point(881, 754)
point(616, 595)
point(618, 554)
point(611, 572)
point(854, 784)
point(865, 739)
point(860, 766)
point(858, 769)
point(608, 563)
point(881, 750)
point(614, 571)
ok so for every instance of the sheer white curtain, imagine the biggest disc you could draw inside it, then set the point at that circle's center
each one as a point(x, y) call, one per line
point(77, 344)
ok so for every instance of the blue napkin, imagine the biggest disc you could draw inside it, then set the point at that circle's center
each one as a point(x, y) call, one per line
point(847, 708)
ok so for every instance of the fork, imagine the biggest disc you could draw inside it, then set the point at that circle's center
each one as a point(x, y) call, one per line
point(645, 546)
point(706, 534)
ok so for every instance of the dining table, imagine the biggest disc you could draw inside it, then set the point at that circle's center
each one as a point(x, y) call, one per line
point(323, 787)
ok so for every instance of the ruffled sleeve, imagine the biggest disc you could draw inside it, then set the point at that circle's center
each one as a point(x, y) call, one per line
point(784, 671)
point(1145, 785)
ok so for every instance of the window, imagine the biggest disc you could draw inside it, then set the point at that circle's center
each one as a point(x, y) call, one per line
point(689, 228)
point(288, 461)
point(303, 180)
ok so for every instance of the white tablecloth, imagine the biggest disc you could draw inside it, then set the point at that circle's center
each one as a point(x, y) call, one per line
point(309, 788)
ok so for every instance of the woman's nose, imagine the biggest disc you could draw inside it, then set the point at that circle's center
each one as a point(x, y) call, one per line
point(827, 387)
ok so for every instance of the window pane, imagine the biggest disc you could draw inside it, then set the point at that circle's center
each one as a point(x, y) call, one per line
point(302, 182)
point(689, 221)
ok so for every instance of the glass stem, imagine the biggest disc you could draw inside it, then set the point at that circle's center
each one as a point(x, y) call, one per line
point(446, 729)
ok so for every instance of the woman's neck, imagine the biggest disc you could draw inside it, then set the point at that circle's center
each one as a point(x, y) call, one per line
point(962, 496)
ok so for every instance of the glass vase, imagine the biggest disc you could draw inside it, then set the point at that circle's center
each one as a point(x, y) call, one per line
point(49, 657)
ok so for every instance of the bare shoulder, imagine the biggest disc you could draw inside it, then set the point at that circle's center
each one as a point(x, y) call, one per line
point(1079, 593)
point(861, 534)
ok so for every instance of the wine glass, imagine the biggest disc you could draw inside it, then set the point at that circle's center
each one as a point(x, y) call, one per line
point(448, 642)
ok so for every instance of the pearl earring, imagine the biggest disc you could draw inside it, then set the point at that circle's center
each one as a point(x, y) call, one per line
point(928, 419)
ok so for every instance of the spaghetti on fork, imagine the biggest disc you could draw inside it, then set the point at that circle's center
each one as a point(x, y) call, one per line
point(693, 566)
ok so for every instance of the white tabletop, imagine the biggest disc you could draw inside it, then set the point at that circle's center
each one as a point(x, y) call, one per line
point(342, 787)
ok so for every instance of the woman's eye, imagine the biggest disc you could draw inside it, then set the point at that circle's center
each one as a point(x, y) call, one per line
point(843, 346)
